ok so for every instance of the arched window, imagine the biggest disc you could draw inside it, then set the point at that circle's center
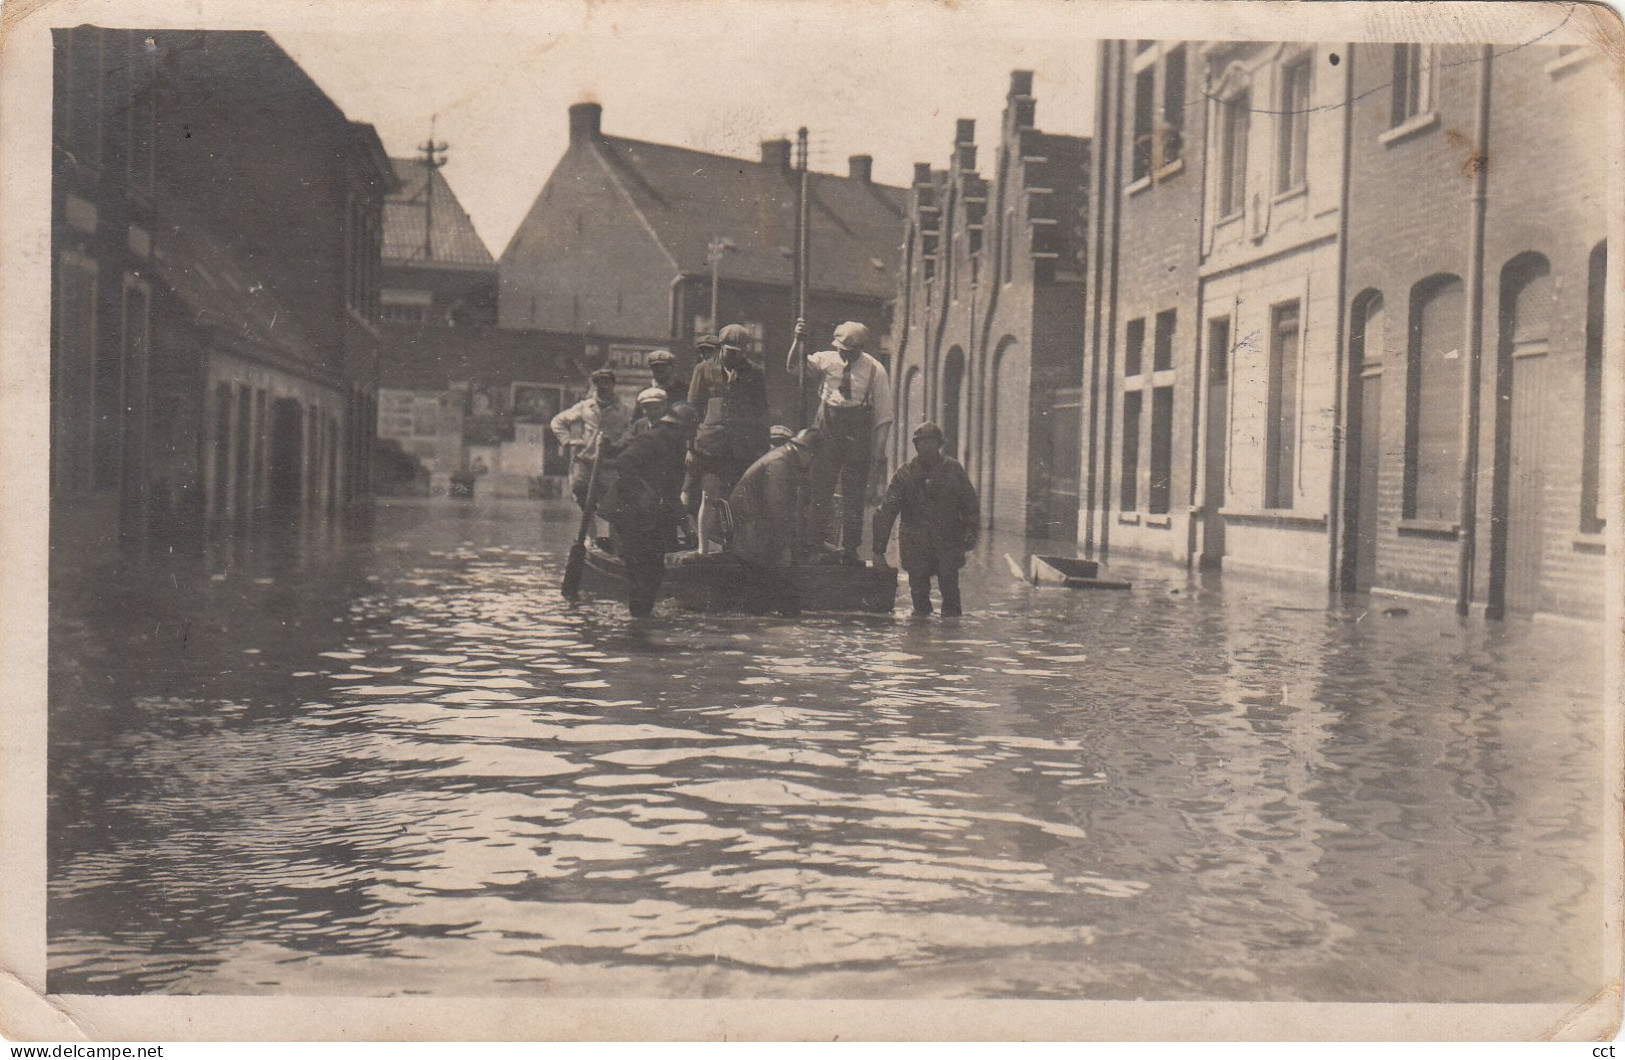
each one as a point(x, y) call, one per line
point(953, 397)
point(1433, 402)
point(1593, 511)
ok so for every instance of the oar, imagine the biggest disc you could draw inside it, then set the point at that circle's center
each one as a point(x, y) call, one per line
point(571, 587)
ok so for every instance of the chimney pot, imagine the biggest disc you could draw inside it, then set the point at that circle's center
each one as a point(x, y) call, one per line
point(860, 167)
point(586, 122)
point(922, 172)
point(965, 131)
point(1021, 82)
point(776, 153)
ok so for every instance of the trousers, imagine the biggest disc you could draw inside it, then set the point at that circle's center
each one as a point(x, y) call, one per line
point(843, 464)
point(919, 588)
point(642, 548)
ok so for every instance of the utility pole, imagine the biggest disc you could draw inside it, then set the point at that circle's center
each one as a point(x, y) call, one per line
point(434, 156)
point(801, 269)
point(714, 250)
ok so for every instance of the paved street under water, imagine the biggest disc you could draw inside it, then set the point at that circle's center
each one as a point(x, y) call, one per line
point(397, 762)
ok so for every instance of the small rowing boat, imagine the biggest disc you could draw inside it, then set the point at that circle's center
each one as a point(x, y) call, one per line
point(719, 582)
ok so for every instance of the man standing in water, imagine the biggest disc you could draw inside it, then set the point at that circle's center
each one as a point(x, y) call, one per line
point(642, 505)
point(854, 413)
point(941, 519)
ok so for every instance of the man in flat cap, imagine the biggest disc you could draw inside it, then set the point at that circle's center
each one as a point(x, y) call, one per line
point(941, 521)
point(641, 504)
point(855, 414)
point(652, 404)
point(601, 418)
point(662, 366)
point(730, 394)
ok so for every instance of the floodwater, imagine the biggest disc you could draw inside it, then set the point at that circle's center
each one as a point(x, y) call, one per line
point(398, 763)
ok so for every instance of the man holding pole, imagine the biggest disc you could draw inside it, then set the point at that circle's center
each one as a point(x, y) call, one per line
point(599, 419)
point(855, 417)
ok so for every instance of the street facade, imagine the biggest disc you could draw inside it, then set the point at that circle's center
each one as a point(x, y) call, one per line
point(1348, 317)
point(213, 363)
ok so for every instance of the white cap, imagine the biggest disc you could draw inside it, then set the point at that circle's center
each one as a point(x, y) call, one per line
point(653, 393)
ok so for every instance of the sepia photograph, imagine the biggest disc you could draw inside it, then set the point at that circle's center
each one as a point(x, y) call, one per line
point(565, 519)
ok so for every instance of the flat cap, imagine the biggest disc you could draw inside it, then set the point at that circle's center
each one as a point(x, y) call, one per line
point(661, 357)
point(736, 335)
point(652, 393)
point(603, 375)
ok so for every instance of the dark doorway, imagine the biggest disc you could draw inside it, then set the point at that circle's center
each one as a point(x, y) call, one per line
point(287, 454)
point(1214, 443)
point(1366, 348)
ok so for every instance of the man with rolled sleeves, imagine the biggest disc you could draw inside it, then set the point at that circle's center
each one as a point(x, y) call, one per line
point(941, 520)
point(855, 416)
point(600, 418)
point(729, 392)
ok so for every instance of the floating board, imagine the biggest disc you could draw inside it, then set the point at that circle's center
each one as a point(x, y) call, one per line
point(1071, 573)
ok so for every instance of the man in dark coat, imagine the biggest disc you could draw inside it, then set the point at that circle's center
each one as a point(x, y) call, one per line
point(941, 518)
point(642, 507)
point(729, 392)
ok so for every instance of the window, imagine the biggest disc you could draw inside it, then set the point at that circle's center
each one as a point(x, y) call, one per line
point(1145, 83)
point(1593, 508)
point(1173, 105)
point(1412, 84)
point(404, 307)
point(1162, 352)
point(1130, 496)
point(222, 449)
point(1218, 349)
point(1433, 402)
point(82, 114)
point(74, 370)
point(142, 127)
point(1134, 348)
point(1292, 145)
point(1009, 244)
point(1162, 450)
point(136, 341)
point(1234, 122)
point(1281, 426)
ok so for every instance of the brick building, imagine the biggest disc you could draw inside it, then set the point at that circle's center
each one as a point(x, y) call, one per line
point(617, 243)
point(215, 238)
point(990, 299)
point(1388, 279)
point(436, 269)
point(1145, 251)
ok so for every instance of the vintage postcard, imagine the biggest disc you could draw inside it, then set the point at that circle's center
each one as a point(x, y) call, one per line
point(869, 518)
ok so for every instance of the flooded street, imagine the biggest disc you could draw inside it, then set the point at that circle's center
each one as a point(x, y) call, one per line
point(399, 763)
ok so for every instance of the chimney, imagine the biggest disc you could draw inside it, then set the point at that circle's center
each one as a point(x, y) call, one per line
point(922, 173)
point(860, 167)
point(776, 153)
point(586, 121)
point(1021, 83)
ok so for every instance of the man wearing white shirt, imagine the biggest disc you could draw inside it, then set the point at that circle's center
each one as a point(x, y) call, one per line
point(855, 416)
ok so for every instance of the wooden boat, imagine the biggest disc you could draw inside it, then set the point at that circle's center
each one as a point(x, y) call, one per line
point(720, 582)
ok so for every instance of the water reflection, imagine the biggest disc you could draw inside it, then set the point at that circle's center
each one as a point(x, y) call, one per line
point(397, 764)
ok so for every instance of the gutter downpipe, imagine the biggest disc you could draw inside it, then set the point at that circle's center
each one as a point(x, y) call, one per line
point(1342, 394)
point(1468, 517)
point(1111, 305)
point(1101, 141)
point(1198, 361)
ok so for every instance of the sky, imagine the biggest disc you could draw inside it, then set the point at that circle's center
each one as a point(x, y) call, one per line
point(871, 77)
